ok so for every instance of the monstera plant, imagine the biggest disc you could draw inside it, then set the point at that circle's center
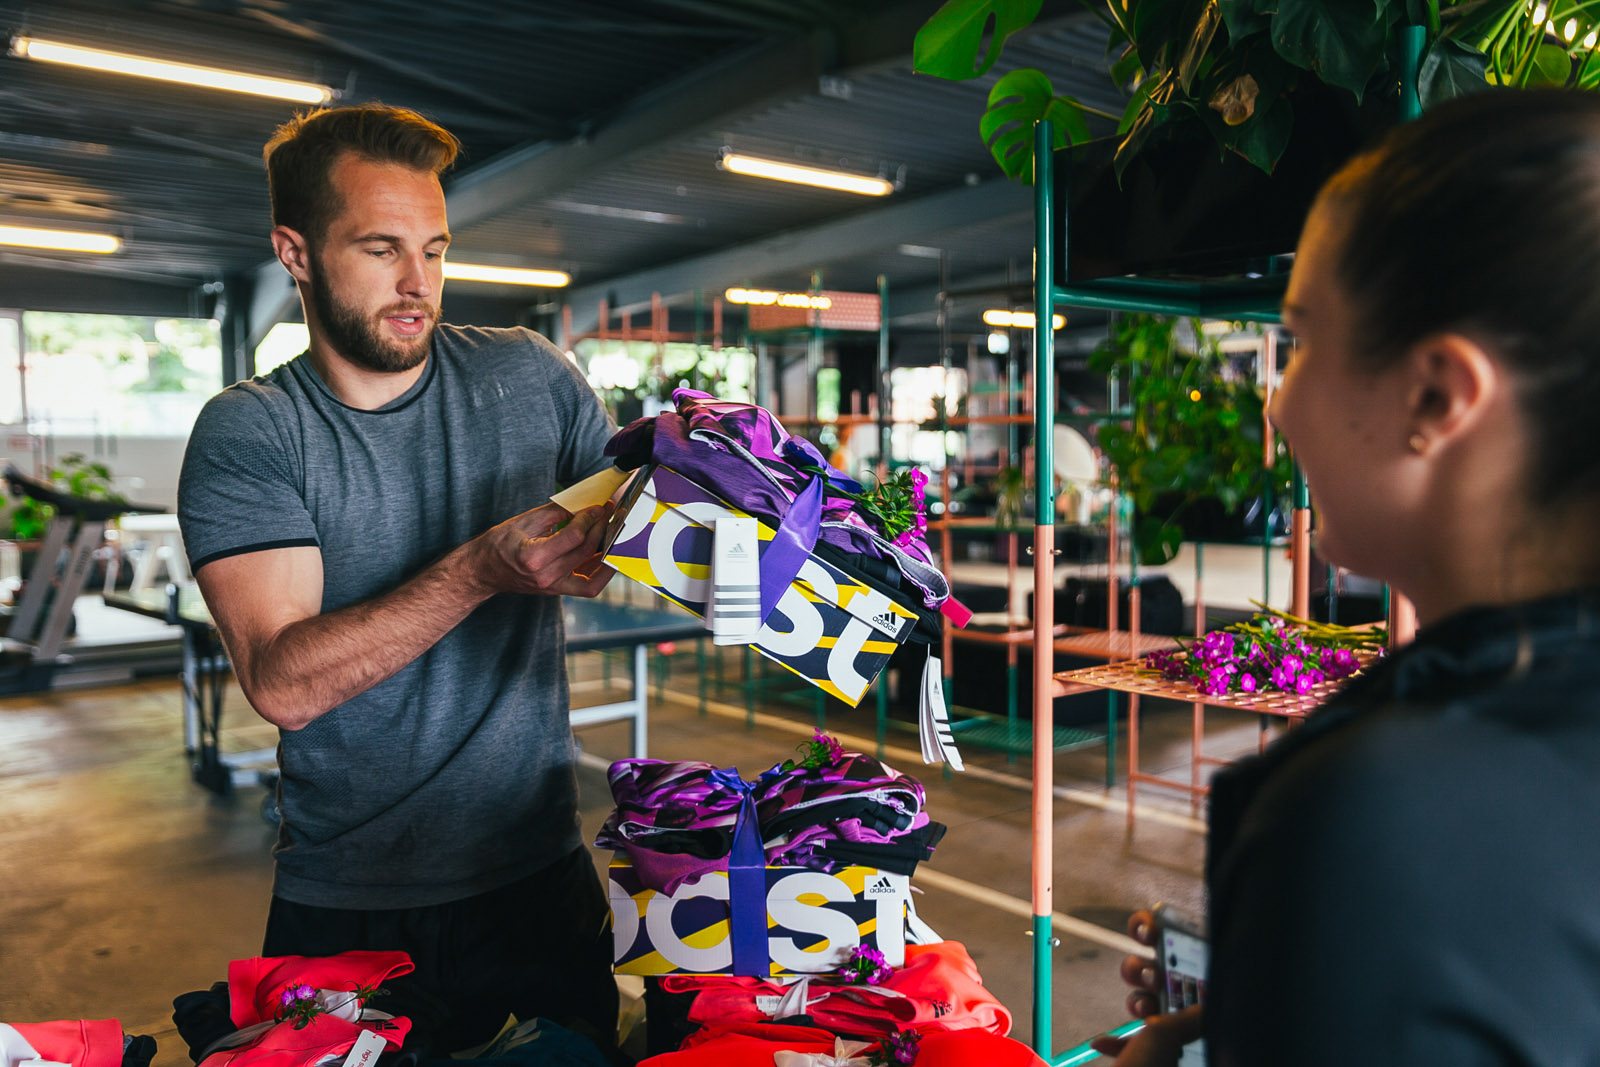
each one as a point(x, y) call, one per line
point(1234, 66)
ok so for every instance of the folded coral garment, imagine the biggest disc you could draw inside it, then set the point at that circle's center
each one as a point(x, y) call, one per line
point(255, 985)
point(74, 1042)
point(757, 1044)
point(939, 988)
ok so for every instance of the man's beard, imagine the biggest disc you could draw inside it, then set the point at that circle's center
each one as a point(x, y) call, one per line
point(357, 337)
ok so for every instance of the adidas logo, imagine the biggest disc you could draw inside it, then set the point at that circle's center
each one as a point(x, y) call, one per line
point(738, 551)
point(883, 887)
point(885, 620)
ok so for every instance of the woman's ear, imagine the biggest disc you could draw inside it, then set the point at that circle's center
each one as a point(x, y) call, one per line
point(1452, 385)
point(293, 251)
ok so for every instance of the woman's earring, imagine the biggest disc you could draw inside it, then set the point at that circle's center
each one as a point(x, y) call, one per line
point(1417, 443)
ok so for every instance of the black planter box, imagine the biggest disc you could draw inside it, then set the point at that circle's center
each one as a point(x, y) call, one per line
point(1186, 209)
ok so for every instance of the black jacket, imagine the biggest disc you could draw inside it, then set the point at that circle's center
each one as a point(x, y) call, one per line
point(1413, 876)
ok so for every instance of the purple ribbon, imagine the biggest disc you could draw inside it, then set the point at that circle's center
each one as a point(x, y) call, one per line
point(796, 536)
point(747, 881)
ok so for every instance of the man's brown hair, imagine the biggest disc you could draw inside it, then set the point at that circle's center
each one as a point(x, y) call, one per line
point(303, 151)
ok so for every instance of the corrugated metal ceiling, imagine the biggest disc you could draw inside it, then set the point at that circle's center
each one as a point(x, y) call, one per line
point(175, 172)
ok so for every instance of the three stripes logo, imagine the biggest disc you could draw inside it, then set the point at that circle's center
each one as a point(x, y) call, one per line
point(886, 620)
point(738, 551)
point(883, 887)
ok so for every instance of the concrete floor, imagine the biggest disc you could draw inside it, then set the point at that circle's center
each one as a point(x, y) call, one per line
point(122, 884)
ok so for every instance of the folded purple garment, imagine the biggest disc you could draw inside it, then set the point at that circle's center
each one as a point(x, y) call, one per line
point(741, 453)
point(675, 819)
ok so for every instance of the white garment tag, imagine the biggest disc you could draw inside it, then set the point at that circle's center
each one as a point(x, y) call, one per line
point(933, 721)
point(733, 613)
point(595, 489)
point(918, 932)
point(365, 1054)
point(844, 1054)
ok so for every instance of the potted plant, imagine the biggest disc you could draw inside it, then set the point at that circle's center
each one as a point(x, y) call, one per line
point(1235, 67)
point(1189, 453)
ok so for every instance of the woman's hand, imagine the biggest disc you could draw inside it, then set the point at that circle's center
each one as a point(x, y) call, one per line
point(1159, 1044)
point(1140, 971)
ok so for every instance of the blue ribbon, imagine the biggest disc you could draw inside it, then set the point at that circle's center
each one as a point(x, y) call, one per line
point(747, 881)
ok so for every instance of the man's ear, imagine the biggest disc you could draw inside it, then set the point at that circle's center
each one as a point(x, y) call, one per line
point(293, 251)
point(1453, 383)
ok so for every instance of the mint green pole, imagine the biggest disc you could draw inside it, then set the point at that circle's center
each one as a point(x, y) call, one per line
point(1044, 540)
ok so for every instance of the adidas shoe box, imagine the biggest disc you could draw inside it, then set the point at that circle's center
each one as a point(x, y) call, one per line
point(814, 920)
point(828, 628)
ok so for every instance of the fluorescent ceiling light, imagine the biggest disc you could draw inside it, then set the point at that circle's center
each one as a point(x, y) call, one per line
point(1022, 320)
point(472, 272)
point(183, 73)
point(63, 240)
point(787, 300)
point(789, 172)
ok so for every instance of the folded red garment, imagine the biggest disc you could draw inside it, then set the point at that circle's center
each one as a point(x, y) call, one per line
point(938, 988)
point(255, 992)
point(255, 985)
point(753, 1045)
point(79, 1042)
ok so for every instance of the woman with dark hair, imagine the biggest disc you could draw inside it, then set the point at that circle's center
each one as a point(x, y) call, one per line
point(1411, 877)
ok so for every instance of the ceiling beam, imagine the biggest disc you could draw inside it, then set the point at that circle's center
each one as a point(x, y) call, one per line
point(713, 96)
point(863, 233)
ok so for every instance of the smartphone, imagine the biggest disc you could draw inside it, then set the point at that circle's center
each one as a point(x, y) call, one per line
point(1182, 954)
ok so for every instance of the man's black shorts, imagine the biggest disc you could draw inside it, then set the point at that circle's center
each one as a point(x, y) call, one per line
point(537, 947)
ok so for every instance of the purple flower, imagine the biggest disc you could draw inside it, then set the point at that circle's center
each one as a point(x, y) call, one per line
point(1291, 665)
point(1302, 684)
point(866, 966)
point(898, 1049)
point(1247, 683)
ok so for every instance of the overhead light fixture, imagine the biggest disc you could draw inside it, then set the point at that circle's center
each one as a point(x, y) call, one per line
point(162, 70)
point(1022, 320)
point(472, 272)
point(60, 240)
point(790, 172)
point(766, 297)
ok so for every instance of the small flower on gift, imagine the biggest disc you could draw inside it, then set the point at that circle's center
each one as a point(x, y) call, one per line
point(866, 966)
point(897, 1049)
point(298, 1002)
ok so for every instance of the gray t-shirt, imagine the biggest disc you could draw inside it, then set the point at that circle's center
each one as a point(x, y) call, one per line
point(455, 776)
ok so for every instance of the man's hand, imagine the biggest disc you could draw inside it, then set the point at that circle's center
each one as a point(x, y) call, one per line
point(528, 554)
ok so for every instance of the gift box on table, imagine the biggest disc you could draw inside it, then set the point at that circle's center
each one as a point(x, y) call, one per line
point(829, 628)
point(807, 922)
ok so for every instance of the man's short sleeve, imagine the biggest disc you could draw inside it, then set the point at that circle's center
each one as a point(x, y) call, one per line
point(587, 427)
point(239, 491)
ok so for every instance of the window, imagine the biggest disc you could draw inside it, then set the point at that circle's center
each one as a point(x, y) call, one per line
point(283, 342)
point(112, 374)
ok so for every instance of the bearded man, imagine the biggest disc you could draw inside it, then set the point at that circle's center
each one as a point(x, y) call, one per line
point(370, 527)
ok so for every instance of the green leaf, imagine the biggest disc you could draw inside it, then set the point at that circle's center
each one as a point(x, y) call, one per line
point(948, 45)
point(1157, 541)
point(1126, 69)
point(1262, 138)
point(1155, 29)
point(1205, 28)
point(1242, 18)
point(1552, 66)
point(1342, 43)
point(1450, 69)
point(1016, 103)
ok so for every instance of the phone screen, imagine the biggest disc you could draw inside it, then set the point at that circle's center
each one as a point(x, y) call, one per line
point(1183, 962)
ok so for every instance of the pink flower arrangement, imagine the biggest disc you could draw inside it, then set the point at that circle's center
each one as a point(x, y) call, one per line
point(1267, 654)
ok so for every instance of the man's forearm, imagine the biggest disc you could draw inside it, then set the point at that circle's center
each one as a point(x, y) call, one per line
point(312, 666)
